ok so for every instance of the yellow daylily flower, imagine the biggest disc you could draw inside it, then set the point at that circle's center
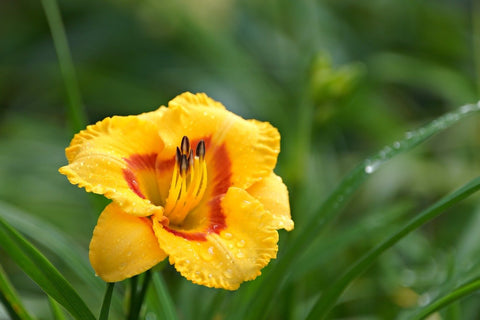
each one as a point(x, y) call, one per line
point(193, 182)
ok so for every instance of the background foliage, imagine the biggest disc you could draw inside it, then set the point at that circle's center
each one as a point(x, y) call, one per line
point(340, 79)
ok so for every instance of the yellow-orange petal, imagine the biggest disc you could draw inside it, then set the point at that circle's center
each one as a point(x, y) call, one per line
point(105, 156)
point(123, 245)
point(236, 254)
point(252, 146)
point(273, 194)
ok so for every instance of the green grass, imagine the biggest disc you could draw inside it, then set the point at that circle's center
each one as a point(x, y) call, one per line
point(375, 103)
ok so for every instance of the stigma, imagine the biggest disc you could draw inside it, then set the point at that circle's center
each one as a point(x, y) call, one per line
point(189, 181)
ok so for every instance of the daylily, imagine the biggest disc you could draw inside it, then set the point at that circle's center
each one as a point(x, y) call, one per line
point(193, 182)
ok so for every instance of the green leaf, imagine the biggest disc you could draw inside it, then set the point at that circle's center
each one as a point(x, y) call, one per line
point(453, 296)
point(37, 267)
point(329, 298)
point(75, 109)
point(10, 299)
point(56, 310)
point(253, 303)
point(159, 300)
point(57, 242)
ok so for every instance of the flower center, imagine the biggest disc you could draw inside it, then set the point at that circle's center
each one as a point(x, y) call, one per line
point(189, 181)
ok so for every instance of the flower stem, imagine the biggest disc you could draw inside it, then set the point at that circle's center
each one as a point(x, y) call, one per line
point(137, 297)
point(106, 301)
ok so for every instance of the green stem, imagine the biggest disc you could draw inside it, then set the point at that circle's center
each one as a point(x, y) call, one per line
point(328, 300)
point(460, 292)
point(133, 297)
point(140, 296)
point(76, 113)
point(106, 301)
point(164, 298)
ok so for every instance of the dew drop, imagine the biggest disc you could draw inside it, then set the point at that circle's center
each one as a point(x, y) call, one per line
point(424, 299)
point(240, 255)
point(210, 275)
point(207, 256)
point(466, 108)
point(241, 243)
point(227, 235)
point(210, 250)
point(228, 273)
point(396, 145)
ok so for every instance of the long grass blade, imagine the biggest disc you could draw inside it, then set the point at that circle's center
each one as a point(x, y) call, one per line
point(10, 299)
point(253, 304)
point(56, 310)
point(75, 110)
point(328, 300)
point(40, 270)
point(451, 297)
point(53, 239)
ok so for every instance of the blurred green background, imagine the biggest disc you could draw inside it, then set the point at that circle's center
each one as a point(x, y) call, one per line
point(340, 79)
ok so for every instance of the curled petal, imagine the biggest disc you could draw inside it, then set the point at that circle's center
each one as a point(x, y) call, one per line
point(251, 145)
point(273, 194)
point(123, 245)
point(236, 254)
point(104, 159)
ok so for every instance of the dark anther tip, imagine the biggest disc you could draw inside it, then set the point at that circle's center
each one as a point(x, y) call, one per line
point(200, 149)
point(184, 164)
point(191, 158)
point(185, 146)
point(178, 156)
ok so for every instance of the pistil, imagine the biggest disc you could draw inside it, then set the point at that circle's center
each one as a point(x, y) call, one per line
point(189, 181)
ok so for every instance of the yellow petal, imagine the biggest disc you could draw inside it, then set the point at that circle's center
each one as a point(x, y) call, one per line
point(251, 146)
point(273, 194)
point(235, 254)
point(123, 245)
point(111, 158)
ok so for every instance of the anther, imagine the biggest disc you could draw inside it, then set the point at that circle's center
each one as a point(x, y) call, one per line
point(191, 159)
point(185, 145)
point(183, 165)
point(200, 152)
point(178, 156)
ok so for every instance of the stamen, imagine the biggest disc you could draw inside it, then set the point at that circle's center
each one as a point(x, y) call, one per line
point(201, 150)
point(189, 181)
point(183, 165)
point(178, 156)
point(185, 145)
point(191, 159)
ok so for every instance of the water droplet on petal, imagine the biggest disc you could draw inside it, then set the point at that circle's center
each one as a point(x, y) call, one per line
point(210, 250)
point(206, 255)
point(241, 243)
point(240, 255)
point(228, 273)
point(227, 235)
